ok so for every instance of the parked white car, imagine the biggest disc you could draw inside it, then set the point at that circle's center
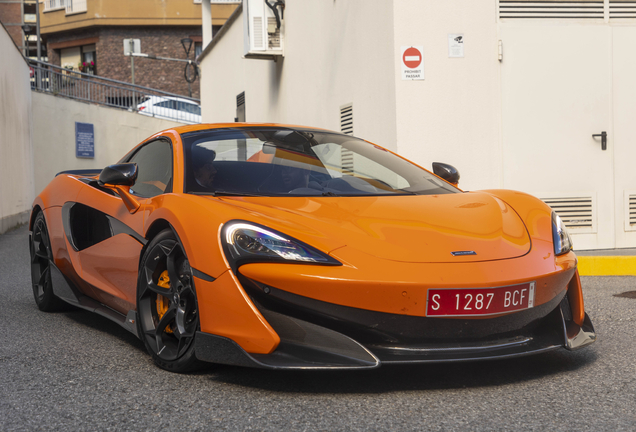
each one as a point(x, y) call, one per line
point(171, 108)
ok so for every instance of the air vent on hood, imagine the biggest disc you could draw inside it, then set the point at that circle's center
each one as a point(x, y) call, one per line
point(586, 9)
point(577, 213)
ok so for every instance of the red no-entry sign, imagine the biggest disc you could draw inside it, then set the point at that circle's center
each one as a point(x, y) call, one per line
point(412, 62)
point(412, 58)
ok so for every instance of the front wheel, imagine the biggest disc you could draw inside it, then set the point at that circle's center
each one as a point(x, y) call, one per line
point(168, 316)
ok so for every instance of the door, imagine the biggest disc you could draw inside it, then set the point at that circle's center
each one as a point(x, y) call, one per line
point(556, 94)
point(624, 113)
point(110, 259)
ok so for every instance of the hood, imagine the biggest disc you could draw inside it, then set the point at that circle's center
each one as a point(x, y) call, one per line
point(412, 228)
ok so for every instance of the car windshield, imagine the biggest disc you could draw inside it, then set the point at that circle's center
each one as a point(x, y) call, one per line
point(298, 162)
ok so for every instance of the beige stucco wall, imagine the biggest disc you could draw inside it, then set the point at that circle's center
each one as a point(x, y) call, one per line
point(335, 53)
point(454, 114)
point(340, 52)
point(116, 132)
point(16, 157)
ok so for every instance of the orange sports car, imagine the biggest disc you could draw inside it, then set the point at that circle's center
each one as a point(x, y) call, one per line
point(285, 247)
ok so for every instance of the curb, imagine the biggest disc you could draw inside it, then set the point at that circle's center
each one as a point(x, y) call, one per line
point(607, 265)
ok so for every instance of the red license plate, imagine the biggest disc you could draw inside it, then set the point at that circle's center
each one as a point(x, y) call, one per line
point(479, 301)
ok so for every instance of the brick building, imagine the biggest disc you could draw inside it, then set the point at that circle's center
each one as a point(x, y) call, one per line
point(14, 15)
point(89, 35)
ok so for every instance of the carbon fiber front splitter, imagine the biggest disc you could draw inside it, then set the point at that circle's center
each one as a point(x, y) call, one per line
point(308, 346)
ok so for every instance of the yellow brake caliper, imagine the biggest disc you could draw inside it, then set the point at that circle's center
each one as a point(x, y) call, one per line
point(163, 302)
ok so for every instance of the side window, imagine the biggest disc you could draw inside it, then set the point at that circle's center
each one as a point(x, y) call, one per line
point(154, 169)
point(166, 104)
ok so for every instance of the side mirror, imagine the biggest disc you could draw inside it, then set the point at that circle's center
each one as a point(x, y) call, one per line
point(118, 175)
point(121, 177)
point(447, 172)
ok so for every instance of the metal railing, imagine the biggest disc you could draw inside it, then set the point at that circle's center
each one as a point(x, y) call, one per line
point(69, 83)
point(73, 6)
point(54, 4)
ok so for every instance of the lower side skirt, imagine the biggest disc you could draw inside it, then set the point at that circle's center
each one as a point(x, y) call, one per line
point(68, 293)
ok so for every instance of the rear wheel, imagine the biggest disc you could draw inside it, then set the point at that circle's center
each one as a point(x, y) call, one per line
point(168, 316)
point(41, 258)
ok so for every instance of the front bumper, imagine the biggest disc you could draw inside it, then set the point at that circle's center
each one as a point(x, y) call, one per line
point(307, 345)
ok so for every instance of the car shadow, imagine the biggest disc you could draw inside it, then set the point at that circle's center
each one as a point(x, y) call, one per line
point(390, 378)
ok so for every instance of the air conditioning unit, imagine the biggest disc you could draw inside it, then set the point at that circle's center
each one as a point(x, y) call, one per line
point(263, 28)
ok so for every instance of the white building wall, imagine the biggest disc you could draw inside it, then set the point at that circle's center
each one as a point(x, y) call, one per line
point(336, 52)
point(453, 115)
point(16, 157)
point(116, 132)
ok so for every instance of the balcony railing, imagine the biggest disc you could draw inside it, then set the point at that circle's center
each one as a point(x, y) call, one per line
point(54, 4)
point(71, 6)
point(74, 6)
point(58, 81)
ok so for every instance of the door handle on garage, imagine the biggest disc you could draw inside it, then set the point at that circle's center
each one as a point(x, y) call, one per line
point(603, 136)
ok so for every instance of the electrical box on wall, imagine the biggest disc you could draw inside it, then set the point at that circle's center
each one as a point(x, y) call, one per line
point(263, 28)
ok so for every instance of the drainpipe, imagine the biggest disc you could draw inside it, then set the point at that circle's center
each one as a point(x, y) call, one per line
point(37, 27)
point(206, 12)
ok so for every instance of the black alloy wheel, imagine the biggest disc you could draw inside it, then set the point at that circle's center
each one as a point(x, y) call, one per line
point(167, 309)
point(41, 258)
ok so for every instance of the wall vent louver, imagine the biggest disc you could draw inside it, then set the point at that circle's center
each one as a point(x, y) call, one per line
point(630, 210)
point(579, 9)
point(577, 213)
point(622, 9)
point(240, 107)
point(346, 119)
point(346, 127)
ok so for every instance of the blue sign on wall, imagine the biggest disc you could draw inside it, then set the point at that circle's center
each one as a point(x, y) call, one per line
point(84, 140)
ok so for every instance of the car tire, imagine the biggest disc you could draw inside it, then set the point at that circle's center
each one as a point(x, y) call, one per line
point(41, 261)
point(167, 310)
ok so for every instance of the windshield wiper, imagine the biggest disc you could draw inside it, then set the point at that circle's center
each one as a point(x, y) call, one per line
point(329, 193)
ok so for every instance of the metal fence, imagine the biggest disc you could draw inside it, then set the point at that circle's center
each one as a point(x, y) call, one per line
point(86, 87)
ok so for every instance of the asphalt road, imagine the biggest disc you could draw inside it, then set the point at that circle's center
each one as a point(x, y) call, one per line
point(78, 371)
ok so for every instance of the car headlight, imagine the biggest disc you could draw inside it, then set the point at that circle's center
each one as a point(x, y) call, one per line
point(560, 236)
point(249, 242)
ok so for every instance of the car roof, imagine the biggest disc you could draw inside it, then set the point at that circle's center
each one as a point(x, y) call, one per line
point(164, 98)
point(233, 125)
